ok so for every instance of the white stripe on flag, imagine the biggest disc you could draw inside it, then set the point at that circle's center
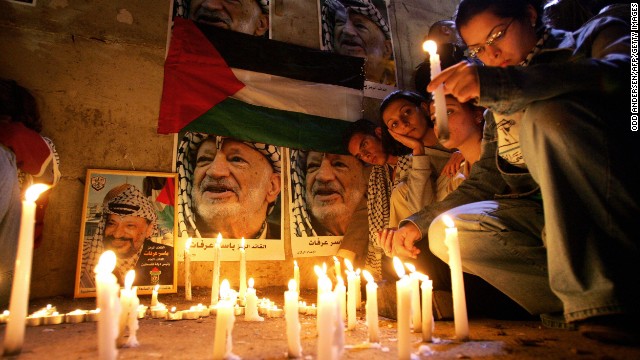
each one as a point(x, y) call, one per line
point(277, 92)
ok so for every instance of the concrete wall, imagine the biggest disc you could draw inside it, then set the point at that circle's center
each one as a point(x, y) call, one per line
point(96, 69)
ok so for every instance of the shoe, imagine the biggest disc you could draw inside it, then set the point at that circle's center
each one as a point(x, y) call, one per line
point(556, 321)
point(612, 329)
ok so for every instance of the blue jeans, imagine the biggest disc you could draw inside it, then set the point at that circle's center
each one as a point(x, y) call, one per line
point(579, 255)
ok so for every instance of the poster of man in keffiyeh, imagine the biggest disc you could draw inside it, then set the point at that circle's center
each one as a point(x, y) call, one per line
point(132, 214)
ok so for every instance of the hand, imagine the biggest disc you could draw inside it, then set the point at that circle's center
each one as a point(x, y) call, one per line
point(460, 80)
point(453, 165)
point(400, 242)
point(408, 141)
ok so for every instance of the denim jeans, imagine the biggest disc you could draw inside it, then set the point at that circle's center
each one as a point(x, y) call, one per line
point(10, 211)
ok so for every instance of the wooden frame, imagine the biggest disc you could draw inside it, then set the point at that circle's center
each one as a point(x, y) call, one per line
point(139, 207)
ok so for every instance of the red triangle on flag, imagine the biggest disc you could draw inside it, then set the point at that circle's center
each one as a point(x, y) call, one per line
point(196, 78)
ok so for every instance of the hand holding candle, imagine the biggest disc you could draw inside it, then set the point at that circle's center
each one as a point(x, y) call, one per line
point(457, 285)
point(14, 334)
point(439, 102)
point(187, 269)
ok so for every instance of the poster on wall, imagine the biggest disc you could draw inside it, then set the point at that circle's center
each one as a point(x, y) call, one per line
point(325, 191)
point(361, 28)
point(231, 189)
point(131, 213)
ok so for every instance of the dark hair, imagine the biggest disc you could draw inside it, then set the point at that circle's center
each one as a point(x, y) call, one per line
point(390, 145)
point(17, 102)
point(362, 126)
point(517, 9)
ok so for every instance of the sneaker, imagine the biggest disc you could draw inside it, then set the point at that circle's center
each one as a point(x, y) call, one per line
point(612, 329)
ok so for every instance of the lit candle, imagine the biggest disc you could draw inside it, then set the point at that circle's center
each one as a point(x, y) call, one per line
point(403, 293)
point(416, 316)
point(174, 314)
point(296, 275)
point(251, 310)
point(222, 343)
point(337, 267)
point(14, 334)
point(457, 284)
point(358, 292)
point(438, 95)
point(187, 269)
point(125, 305)
point(154, 295)
point(75, 316)
point(243, 272)
point(427, 311)
point(351, 295)
point(132, 340)
point(107, 299)
point(341, 294)
point(372, 307)
point(215, 284)
point(326, 323)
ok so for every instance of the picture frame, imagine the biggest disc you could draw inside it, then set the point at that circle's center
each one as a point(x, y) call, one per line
point(132, 213)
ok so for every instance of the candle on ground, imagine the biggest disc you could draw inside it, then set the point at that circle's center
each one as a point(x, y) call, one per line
point(243, 272)
point(457, 284)
point(427, 310)
point(215, 284)
point(251, 310)
point(351, 295)
point(326, 323)
point(132, 340)
point(154, 295)
point(341, 294)
point(222, 343)
point(296, 275)
point(14, 334)
point(337, 267)
point(187, 269)
point(371, 307)
point(107, 301)
point(440, 104)
point(416, 316)
point(358, 290)
point(403, 295)
point(126, 299)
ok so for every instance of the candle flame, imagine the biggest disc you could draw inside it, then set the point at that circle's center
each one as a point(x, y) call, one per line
point(242, 244)
point(187, 244)
point(448, 221)
point(156, 288)
point(318, 271)
point(34, 191)
point(128, 279)
point(292, 285)
point(324, 267)
point(106, 263)
point(295, 264)
point(219, 240)
point(336, 261)
point(430, 46)
point(367, 275)
point(397, 264)
point(411, 267)
point(225, 289)
point(347, 263)
point(173, 309)
point(250, 283)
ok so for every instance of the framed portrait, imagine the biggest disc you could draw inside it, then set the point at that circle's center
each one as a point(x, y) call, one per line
point(361, 28)
point(133, 214)
point(326, 193)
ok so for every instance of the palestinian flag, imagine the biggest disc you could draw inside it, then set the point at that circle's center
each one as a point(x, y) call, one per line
point(226, 83)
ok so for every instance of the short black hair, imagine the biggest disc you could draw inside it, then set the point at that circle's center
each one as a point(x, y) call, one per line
point(390, 145)
point(362, 126)
point(517, 9)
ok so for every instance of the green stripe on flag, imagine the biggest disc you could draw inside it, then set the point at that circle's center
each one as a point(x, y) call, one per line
point(238, 119)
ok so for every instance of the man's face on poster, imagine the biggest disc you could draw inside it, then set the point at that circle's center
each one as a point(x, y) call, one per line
point(234, 182)
point(243, 16)
point(125, 234)
point(356, 35)
point(334, 186)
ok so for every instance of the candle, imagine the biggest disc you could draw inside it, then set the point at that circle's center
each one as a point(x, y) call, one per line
point(191, 313)
point(75, 316)
point(351, 295)
point(291, 318)
point(427, 311)
point(326, 322)
point(159, 311)
point(403, 293)
point(14, 334)
point(4, 316)
point(341, 294)
point(107, 299)
point(93, 315)
point(312, 310)
point(132, 341)
point(337, 267)
point(222, 343)
point(438, 95)
point(125, 305)
point(296, 275)
point(416, 316)
point(215, 284)
point(251, 310)
point(154, 295)
point(187, 269)
point(358, 292)
point(372, 307)
point(54, 319)
point(457, 284)
point(243, 272)
point(174, 314)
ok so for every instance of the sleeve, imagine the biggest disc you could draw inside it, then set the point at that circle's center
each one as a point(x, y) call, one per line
point(421, 183)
